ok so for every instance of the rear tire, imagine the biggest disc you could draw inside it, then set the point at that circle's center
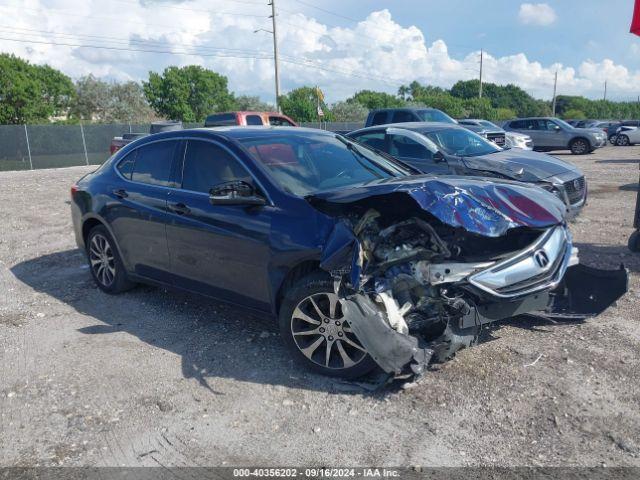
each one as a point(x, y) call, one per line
point(579, 146)
point(105, 263)
point(316, 333)
point(623, 141)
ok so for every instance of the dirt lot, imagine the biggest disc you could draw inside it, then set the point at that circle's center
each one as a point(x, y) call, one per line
point(154, 377)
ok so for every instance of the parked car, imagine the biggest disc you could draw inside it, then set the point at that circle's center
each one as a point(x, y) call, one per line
point(518, 140)
point(156, 127)
point(550, 134)
point(442, 148)
point(486, 129)
point(612, 131)
point(362, 261)
point(626, 136)
point(249, 119)
point(400, 115)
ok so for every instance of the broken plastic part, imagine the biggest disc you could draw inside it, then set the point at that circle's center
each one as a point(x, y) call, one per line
point(391, 350)
point(586, 292)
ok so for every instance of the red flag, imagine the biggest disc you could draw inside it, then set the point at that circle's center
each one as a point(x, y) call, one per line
point(635, 23)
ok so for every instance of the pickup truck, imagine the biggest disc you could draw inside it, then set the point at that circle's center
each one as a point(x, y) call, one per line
point(156, 127)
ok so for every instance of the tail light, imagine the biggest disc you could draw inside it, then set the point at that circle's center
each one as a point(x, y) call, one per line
point(74, 189)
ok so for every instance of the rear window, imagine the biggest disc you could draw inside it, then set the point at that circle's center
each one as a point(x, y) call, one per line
point(518, 124)
point(280, 122)
point(379, 118)
point(221, 120)
point(254, 120)
point(402, 117)
point(153, 163)
point(435, 116)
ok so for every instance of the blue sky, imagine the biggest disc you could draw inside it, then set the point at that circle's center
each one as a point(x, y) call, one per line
point(379, 45)
point(595, 29)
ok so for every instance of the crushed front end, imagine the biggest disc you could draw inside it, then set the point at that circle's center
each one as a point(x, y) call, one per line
point(416, 286)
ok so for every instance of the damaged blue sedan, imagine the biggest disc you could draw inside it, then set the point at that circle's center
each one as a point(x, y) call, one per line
point(363, 262)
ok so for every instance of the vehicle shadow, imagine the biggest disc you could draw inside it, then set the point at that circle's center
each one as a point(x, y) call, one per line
point(213, 340)
point(608, 256)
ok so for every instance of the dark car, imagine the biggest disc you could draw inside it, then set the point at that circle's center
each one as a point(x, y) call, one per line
point(400, 115)
point(549, 133)
point(486, 129)
point(612, 130)
point(361, 262)
point(443, 148)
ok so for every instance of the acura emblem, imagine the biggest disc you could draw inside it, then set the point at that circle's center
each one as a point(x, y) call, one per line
point(541, 258)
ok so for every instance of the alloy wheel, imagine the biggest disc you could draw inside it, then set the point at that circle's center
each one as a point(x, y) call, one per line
point(580, 147)
point(622, 141)
point(323, 335)
point(103, 263)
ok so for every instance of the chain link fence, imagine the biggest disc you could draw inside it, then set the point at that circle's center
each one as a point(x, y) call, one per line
point(29, 147)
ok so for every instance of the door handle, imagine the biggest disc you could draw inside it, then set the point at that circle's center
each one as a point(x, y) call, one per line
point(179, 208)
point(120, 193)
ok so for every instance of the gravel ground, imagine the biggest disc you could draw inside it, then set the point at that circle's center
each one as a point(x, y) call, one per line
point(155, 377)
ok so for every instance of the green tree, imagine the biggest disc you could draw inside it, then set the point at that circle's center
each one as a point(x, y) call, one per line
point(373, 100)
point(253, 104)
point(349, 112)
point(32, 93)
point(301, 105)
point(187, 93)
point(100, 101)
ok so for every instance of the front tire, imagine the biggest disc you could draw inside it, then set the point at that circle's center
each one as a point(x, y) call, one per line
point(634, 242)
point(580, 146)
point(316, 332)
point(105, 263)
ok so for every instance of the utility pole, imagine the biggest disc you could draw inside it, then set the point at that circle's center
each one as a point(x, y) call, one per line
point(605, 90)
point(555, 89)
point(480, 92)
point(275, 53)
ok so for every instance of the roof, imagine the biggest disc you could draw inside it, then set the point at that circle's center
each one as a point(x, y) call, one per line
point(415, 126)
point(395, 109)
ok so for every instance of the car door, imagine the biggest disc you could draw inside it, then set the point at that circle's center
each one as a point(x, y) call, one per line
point(412, 148)
point(138, 210)
point(219, 250)
point(554, 133)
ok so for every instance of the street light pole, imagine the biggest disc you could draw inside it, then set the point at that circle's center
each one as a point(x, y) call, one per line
point(275, 53)
point(480, 92)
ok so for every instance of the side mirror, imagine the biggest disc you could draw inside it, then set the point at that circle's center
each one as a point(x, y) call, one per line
point(438, 157)
point(556, 128)
point(235, 193)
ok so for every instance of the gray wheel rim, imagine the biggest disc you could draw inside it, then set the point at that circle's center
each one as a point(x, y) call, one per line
point(623, 140)
point(103, 263)
point(580, 146)
point(323, 335)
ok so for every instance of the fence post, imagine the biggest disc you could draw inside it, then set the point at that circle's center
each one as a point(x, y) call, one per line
point(26, 134)
point(84, 145)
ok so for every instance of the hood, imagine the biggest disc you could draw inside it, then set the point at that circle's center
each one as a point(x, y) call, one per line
point(534, 166)
point(598, 131)
point(480, 206)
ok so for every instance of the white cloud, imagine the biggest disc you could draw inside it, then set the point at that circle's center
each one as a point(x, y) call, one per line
point(540, 14)
point(376, 53)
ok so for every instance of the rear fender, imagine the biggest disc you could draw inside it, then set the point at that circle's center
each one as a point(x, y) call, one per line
point(586, 292)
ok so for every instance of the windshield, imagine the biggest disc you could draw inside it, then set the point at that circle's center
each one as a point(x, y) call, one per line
point(562, 123)
point(488, 124)
point(435, 116)
point(305, 164)
point(461, 142)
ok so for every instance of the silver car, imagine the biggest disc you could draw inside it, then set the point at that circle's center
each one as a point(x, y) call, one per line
point(550, 134)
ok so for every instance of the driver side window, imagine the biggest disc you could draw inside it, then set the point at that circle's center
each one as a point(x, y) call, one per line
point(207, 165)
point(405, 147)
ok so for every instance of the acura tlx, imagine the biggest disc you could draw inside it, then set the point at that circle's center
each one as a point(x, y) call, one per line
point(362, 262)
